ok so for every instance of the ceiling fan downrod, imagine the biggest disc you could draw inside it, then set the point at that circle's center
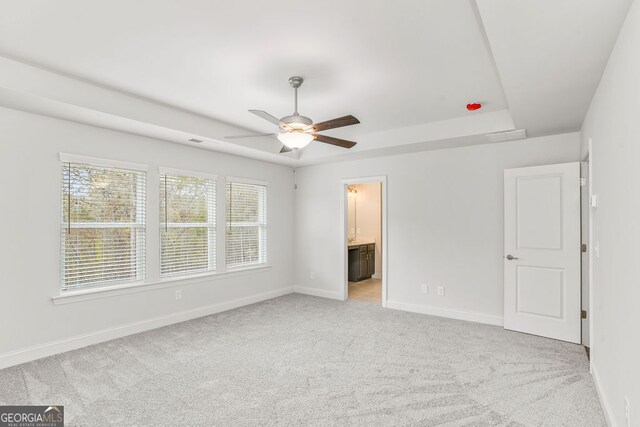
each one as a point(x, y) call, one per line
point(296, 82)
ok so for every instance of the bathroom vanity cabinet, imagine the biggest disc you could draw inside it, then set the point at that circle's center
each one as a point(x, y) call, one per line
point(362, 261)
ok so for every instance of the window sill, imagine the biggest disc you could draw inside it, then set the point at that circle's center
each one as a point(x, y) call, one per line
point(167, 282)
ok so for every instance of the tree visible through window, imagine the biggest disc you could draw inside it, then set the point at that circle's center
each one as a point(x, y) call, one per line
point(102, 225)
point(187, 224)
point(246, 224)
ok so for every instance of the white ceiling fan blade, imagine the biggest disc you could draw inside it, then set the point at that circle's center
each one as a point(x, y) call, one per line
point(268, 117)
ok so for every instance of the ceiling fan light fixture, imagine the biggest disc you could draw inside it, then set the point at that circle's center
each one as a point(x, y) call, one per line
point(295, 139)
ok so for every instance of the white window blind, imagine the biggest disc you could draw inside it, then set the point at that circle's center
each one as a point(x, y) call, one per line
point(246, 224)
point(187, 224)
point(103, 225)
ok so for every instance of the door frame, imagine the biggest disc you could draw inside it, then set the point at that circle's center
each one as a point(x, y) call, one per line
point(344, 233)
point(589, 159)
point(585, 239)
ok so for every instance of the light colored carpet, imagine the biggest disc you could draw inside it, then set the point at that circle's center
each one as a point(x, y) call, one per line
point(300, 360)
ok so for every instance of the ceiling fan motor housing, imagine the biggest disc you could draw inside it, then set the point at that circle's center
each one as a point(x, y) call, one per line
point(296, 122)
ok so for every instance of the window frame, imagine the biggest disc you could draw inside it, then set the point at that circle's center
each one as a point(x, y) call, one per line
point(149, 264)
point(211, 225)
point(263, 229)
point(140, 224)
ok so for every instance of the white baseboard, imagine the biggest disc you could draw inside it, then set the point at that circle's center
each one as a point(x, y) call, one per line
point(604, 402)
point(317, 292)
point(449, 313)
point(48, 349)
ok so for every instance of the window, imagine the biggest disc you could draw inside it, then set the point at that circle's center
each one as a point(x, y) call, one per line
point(187, 224)
point(246, 223)
point(103, 225)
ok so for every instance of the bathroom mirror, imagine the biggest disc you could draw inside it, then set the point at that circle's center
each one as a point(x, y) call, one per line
point(352, 199)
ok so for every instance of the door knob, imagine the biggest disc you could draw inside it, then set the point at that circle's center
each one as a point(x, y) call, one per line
point(510, 257)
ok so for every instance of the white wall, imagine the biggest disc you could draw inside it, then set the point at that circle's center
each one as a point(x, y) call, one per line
point(445, 226)
point(30, 214)
point(613, 124)
point(369, 218)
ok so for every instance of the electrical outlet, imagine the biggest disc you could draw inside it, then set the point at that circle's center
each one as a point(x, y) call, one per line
point(626, 411)
point(424, 288)
point(178, 294)
point(596, 249)
point(312, 275)
point(441, 291)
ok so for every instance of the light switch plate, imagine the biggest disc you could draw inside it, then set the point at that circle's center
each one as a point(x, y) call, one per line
point(424, 288)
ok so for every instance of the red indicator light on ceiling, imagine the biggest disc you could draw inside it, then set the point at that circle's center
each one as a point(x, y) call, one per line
point(474, 106)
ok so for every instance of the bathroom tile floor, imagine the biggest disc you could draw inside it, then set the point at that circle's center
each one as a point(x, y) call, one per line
point(369, 290)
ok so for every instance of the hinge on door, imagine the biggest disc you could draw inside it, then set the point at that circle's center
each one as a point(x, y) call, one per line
point(583, 314)
point(583, 182)
point(583, 247)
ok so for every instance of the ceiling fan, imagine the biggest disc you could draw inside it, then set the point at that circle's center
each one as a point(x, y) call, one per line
point(296, 131)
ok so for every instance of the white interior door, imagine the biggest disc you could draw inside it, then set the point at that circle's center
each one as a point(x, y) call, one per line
point(542, 251)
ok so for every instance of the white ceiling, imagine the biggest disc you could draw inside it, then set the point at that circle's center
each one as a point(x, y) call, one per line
point(551, 56)
point(405, 69)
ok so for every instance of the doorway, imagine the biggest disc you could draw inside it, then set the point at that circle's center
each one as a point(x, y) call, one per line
point(363, 239)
